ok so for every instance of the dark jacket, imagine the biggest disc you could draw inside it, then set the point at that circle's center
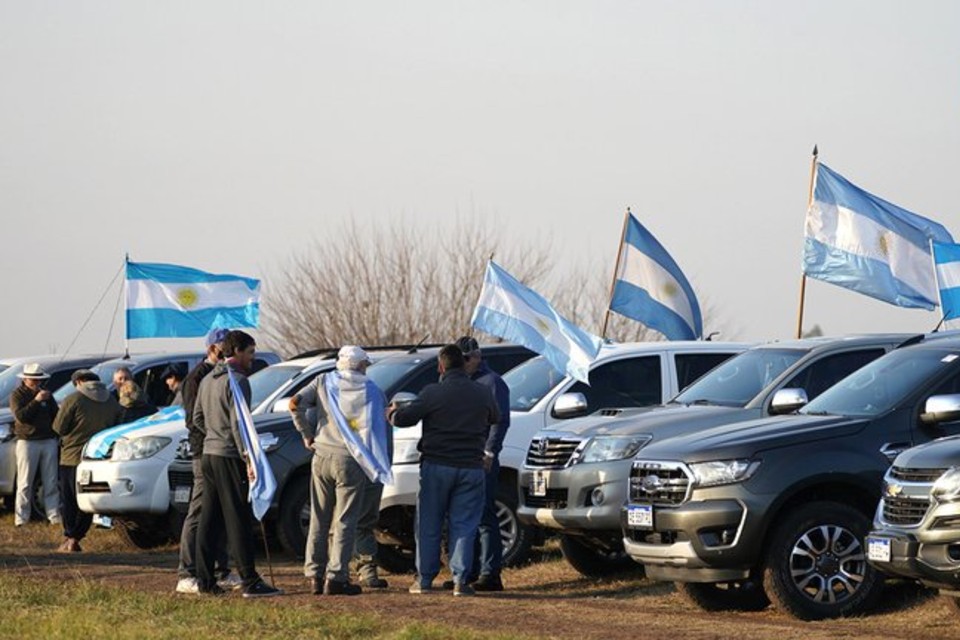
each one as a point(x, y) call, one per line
point(492, 380)
point(88, 411)
point(139, 409)
point(457, 414)
point(189, 389)
point(215, 415)
point(32, 420)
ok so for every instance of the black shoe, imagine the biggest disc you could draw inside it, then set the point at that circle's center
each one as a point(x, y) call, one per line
point(211, 591)
point(463, 590)
point(317, 585)
point(448, 585)
point(374, 583)
point(341, 588)
point(261, 589)
point(488, 583)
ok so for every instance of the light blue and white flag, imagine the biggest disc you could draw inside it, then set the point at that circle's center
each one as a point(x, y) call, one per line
point(947, 257)
point(651, 289)
point(519, 314)
point(858, 241)
point(170, 301)
point(99, 446)
point(264, 483)
point(366, 432)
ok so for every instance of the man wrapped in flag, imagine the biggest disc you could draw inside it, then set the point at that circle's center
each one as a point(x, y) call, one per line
point(231, 460)
point(351, 443)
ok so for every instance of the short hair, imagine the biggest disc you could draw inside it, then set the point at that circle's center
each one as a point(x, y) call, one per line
point(236, 341)
point(451, 357)
point(125, 370)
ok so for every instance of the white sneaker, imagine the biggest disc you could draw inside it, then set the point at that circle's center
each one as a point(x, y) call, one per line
point(230, 581)
point(187, 585)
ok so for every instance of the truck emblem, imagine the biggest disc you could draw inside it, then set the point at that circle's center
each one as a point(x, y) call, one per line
point(894, 490)
point(651, 483)
point(542, 446)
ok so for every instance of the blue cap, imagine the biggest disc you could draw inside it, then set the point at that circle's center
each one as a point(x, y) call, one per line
point(216, 336)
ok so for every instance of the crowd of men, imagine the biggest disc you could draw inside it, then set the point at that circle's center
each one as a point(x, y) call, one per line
point(343, 419)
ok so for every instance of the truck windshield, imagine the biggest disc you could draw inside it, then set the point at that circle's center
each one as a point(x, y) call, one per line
point(264, 382)
point(883, 384)
point(531, 381)
point(738, 380)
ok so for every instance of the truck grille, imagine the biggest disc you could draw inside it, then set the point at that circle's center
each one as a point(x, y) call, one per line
point(180, 479)
point(904, 511)
point(551, 453)
point(658, 483)
point(906, 474)
point(555, 499)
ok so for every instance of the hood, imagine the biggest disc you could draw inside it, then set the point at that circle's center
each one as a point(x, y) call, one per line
point(939, 454)
point(219, 370)
point(667, 420)
point(745, 439)
point(168, 422)
point(95, 390)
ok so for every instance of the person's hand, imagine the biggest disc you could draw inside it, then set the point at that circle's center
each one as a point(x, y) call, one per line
point(251, 474)
point(42, 395)
point(487, 462)
point(308, 443)
point(391, 408)
point(292, 407)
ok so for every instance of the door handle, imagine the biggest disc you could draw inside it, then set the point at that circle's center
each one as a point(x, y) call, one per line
point(892, 449)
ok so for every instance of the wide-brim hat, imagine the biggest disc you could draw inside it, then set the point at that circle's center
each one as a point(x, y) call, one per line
point(33, 371)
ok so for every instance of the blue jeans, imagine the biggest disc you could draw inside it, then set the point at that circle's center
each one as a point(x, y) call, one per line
point(490, 559)
point(454, 495)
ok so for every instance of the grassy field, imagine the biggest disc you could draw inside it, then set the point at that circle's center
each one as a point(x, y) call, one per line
point(112, 592)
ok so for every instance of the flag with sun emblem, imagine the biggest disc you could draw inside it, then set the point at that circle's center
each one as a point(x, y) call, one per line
point(651, 288)
point(511, 311)
point(858, 241)
point(170, 301)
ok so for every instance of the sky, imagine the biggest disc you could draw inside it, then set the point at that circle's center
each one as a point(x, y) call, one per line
point(229, 135)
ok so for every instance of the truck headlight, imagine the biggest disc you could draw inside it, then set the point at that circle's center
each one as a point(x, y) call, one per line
point(717, 472)
point(405, 452)
point(947, 486)
point(604, 448)
point(6, 431)
point(138, 448)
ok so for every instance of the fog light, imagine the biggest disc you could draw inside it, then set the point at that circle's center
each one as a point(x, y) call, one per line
point(596, 497)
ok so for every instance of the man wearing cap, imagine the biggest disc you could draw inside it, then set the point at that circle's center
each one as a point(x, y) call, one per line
point(34, 411)
point(84, 413)
point(348, 407)
point(490, 560)
point(187, 571)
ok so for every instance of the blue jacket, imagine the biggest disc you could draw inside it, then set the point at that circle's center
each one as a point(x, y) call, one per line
point(492, 380)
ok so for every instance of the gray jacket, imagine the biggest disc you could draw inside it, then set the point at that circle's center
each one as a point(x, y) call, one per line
point(215, 415)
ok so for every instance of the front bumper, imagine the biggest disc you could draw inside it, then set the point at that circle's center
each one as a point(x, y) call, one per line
point(8, 467)
point(132, 486)
point(929, 552)
point(403, 491)
point(570, 502)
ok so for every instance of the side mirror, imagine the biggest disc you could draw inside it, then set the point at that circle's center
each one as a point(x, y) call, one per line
point(570, 405)
point(403, 398)
point(938, 409)
point(787, 401)
point(281, 406)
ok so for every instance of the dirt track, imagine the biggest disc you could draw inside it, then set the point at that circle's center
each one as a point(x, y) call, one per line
point(544, 599)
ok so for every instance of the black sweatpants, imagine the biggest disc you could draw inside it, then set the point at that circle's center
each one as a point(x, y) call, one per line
point(225, 510)
point(76, 523)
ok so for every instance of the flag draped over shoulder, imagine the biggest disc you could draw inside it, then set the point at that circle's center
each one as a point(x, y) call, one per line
point(947, 258)
point(858, 241)
point(365, 433)
point(519, 314)
point(171, 301)
point(651, 289)
point(264, 484)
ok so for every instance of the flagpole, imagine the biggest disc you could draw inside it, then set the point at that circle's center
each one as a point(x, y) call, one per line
point(803, 277)
point(616, 269)
point(126, 326)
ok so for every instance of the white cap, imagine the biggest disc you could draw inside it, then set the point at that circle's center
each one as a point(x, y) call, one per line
point(351, 357)
point(33, 371)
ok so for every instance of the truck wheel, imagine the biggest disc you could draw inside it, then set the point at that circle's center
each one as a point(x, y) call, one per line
point(747, 595)
point(396, 559)
point(294, 516)
point(816, 566)
point(594, 561)
point(517, 537)
point(142, 533)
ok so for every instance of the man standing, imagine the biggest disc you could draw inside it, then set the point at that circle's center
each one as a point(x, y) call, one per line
point(456, 416)
point(491, 546)
point(34, 411)
point(84, 413)
point(187, 571)
point(349, 441)
point(227, 471)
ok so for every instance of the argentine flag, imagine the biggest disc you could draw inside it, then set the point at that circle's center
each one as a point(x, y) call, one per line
point(858, 241)
point(651, 289)
point(264, 483)
point(170, 301)
point(516, 313)
point(947, 258)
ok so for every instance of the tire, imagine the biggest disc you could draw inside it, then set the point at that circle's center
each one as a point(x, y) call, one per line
point(517, 537)
point(593, 561)
point(294, 516)
point(397, 559)
point(816, 566)
point(747, 595)
point(143, 533)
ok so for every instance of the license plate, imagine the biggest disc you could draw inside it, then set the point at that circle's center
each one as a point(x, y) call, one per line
point(181, 494)
point(640, 516)
point(85, 477)
point(538, 487)
point(878, 549)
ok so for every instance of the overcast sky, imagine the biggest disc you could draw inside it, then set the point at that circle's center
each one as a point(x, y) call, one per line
point(224, 135)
